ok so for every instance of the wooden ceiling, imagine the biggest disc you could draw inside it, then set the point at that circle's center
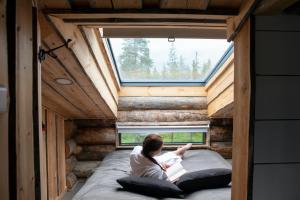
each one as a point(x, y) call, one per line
point(143, 4)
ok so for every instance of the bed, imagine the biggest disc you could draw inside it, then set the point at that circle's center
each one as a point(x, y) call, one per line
point(102, 184)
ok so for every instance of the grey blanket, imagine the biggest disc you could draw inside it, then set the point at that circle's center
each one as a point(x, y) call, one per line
point(102, 184)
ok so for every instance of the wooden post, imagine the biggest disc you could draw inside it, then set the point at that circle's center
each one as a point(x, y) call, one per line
point(4, 186)
point(242, 87)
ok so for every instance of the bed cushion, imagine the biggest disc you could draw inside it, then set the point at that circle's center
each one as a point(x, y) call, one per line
point(204, 179)
point(150, 186)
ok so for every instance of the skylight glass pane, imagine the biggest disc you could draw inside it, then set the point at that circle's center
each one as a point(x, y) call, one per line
point(158, 60)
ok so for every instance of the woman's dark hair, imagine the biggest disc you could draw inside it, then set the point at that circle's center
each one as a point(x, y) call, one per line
point(152, 142)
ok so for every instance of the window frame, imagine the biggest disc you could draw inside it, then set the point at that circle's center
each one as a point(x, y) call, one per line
point(218, 65)
point(163, 129)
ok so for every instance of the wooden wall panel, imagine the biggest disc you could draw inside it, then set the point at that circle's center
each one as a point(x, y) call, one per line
point(60, 155)
point(51, 155)
point(4, 188)
point(277, 141)
point(269, 61)
point(276, 182)
point(162, 91)
point(276, 165)
point(55, 159)
point(276, 97)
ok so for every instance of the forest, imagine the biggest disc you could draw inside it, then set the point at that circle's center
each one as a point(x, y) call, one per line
point(136, 64)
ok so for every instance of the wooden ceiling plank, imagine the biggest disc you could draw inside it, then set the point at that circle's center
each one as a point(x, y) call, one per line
point(52, 39)
point(100, 3)
point(224, 4)
point(151, 4)
point(173, 4)
point(127, 4)
point(52, 70)
point(87, 61)
point(60, 4)
point(53, 101)
point(197, 4)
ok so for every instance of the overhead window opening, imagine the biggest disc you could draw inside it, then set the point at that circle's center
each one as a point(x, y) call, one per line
point(166, 61)
point(172, 135)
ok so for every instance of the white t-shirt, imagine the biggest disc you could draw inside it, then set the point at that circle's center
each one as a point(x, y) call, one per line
point(143, 167)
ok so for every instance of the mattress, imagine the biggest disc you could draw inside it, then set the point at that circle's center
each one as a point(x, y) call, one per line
point(102, 184)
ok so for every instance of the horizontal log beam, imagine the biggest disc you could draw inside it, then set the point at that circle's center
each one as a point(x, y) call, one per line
point(162, 116)
point(162, 103)
point(96, 136)
point(220, 134)
point(223, 148)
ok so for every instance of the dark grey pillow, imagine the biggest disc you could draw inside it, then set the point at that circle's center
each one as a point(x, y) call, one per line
point(150, 186)
point(204, 179)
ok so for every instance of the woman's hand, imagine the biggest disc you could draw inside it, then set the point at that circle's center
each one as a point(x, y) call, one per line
point(165, 166)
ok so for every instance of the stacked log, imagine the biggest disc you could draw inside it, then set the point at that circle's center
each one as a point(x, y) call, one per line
point(221, 136)
point(85, 169)
point(95, 143)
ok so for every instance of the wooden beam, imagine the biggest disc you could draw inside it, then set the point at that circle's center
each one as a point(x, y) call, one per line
point(162, 115)
point(163, 91)
point(165, 14)
point(24, 101)
point(241, 118)
point(100, 3)
point(164, 32)
point(162, 103)
point(4, 167)
point(273, 7)
point(235, 23)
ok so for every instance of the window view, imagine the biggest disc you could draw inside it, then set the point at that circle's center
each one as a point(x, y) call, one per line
point(168, 138)
point(160, 60)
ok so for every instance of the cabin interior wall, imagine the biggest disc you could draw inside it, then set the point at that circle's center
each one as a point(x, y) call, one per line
point(54, 144)
point(4, 168)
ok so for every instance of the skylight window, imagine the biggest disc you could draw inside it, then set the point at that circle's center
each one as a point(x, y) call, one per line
point(146, 61)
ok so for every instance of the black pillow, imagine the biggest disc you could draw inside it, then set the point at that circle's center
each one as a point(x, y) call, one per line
point(204, 179)
point(150, 186)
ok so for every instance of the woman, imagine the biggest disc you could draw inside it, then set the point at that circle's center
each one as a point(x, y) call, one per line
point(145, 162)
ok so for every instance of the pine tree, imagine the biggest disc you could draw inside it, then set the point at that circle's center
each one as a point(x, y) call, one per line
point(184, 69)
point(195, 67)
point(173, 62)
point(135, 58)
point(205, 68)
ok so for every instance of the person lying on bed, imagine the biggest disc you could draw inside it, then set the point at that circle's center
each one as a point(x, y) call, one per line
point(145, 160)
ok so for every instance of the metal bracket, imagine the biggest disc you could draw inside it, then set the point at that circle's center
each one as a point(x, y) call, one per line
point(42, 52)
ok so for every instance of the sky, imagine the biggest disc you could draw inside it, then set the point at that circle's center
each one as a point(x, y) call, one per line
point(212, 49)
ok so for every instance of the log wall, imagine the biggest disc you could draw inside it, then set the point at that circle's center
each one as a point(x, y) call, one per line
point(221, 136)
